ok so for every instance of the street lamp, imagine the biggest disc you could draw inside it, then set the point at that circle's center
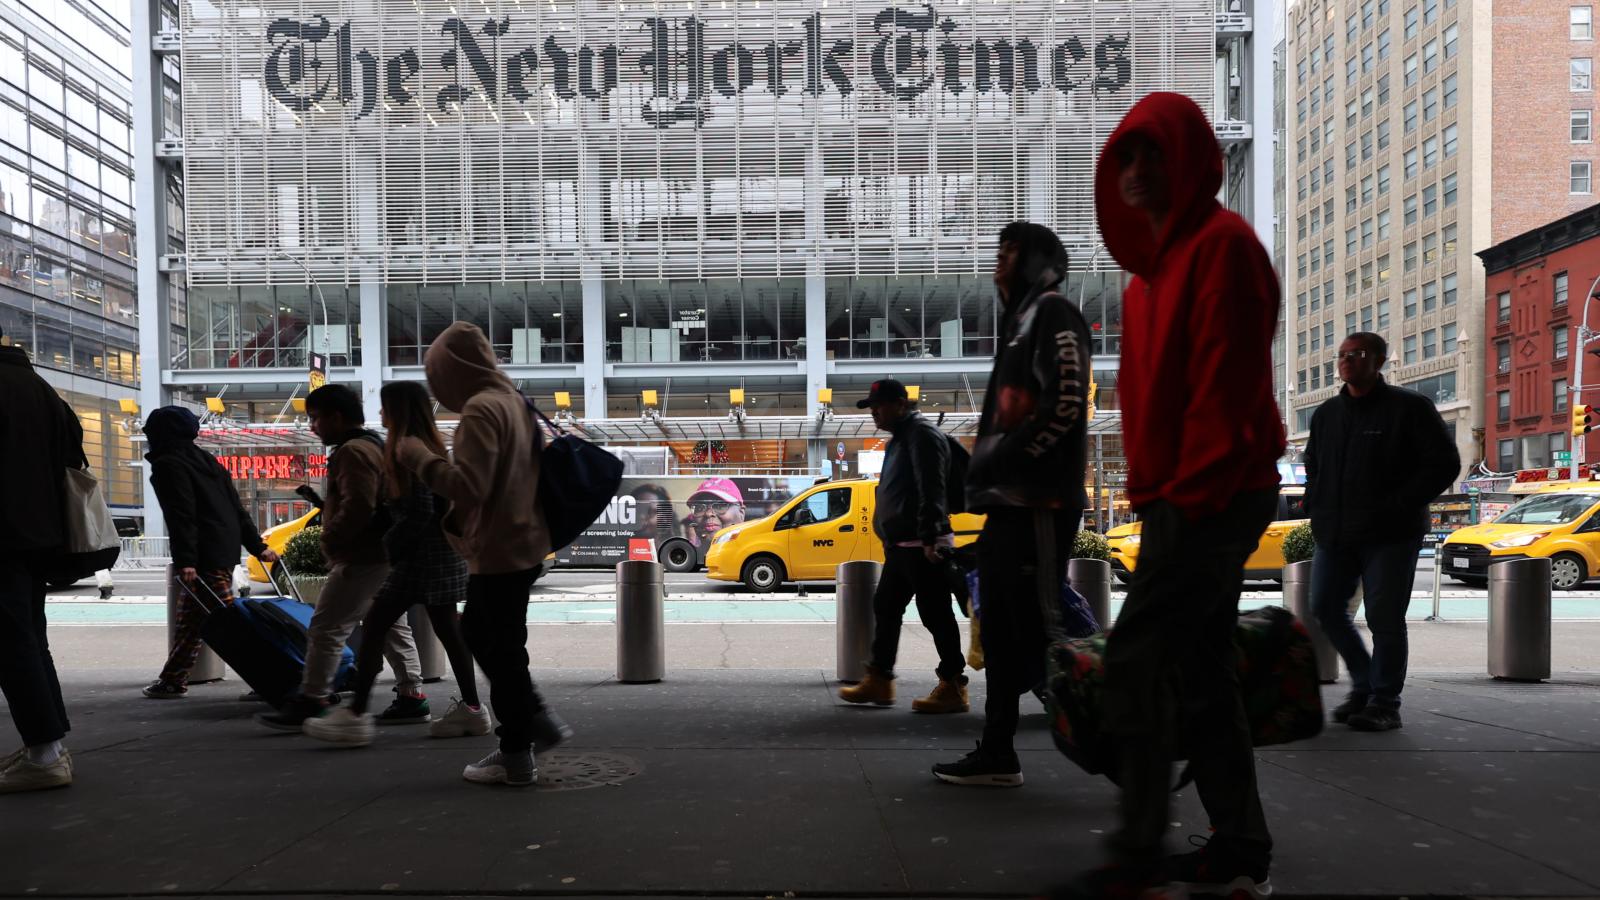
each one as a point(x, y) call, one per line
point(1584, 337)
point(315, 285)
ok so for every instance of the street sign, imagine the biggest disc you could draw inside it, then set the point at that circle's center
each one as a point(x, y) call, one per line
point(1563, 457)
point(317, 376)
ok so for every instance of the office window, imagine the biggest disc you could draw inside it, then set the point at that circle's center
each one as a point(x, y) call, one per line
point(1559, 336)
point(1316, 219)
point(1350, 156)
point(1350, 72)
point(1430, 11)
point(1302, 265)
point(1582, 126)
point(1383, 267)
point(1383, 90)
point(1366, 188)
point(1350, 199)
point(1409, 303)
point(1327, 332)
point(1430, 104)
point(1506, 455)
point(1301, 344)
point(1350, 241)
point(1447, 237)
point(1451, 134)
point(1316, 102)
point(1368, 58)
point(1580, 176)
point(1430, 200)
point(1315, 259)
point(1410, 216)
point(1316, 298)
point(1349, 282)
point(1316, 180)
point(1366, 233)
point(1580, 23)
point(1430, 344)
point(1411, 163)
point(1300, 150)
point(1502, 408)
point(1327, 170)
point(1327, 130)
point(1410, 256)
point(1430, 296)
point(1366, 276)
point(1350, 323)
point(1366, 103)
point(1350, 29)
point(1449, 91)
point(1447, 339)
point(1300, 111)
point(1560, 285)
point(1410, 117)
point(1430, 248)
point(1502, 306)
point(1448, 186)
point(1430, 56)
point(1383, 179)
point(1502, 357)
point(1351, 110)
point(1327, 48)
point(1366, 318)
point(1383, 315)
point(1383, 44)
point(1300, 73)
point(1302, 228)
point(1560, 395)
point(1411, 23)
point(1452, 33)
point(1327, 253)
point(1383, 225)
point(1368, 9)
point(1410, 77)
point(1366, 146)
point(1448, 284)
point(1430, 152)
point(1300, 187)
point(1300, 303)
point(1579, 70)
point(1410, 349)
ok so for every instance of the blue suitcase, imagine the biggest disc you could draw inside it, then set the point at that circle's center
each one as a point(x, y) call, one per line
point(264, 641)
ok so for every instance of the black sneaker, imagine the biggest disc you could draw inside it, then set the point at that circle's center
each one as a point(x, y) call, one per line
point(293, 714)
point(161, 690)
point(1352, 704)
point(1211, 870)
point(406, 711)
point(1375, 718)
point(995, 768)
point(549, 730)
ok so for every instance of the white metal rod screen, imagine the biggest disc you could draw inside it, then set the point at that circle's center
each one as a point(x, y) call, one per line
point(429, 141)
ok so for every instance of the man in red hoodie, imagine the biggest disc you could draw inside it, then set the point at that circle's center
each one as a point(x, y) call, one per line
point(1202, 435)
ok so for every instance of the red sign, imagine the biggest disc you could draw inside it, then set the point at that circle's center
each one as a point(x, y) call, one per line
point(277, 466)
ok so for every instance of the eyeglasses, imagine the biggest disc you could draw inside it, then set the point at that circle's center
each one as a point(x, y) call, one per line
point(1355, 354)
point(717, 506)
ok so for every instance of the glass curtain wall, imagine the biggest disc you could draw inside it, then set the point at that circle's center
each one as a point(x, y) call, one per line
point(712, 320)
point(528, 322)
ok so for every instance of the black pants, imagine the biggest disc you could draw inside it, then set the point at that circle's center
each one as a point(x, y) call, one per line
point(907, 572)
point(496, 627)
point(1171, 685)
point(387, 610)
point(1012, 625)
point(27, 671)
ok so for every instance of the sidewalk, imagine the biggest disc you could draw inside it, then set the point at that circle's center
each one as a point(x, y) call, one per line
point(741, 775)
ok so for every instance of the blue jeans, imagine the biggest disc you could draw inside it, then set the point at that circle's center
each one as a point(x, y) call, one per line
point(1386, 573)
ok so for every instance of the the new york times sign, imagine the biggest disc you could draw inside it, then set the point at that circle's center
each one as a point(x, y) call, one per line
point(313, 61)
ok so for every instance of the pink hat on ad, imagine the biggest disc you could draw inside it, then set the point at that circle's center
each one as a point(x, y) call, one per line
point(720, 488)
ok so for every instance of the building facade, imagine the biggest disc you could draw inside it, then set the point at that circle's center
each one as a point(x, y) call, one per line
point(782, 200)
point(1389, 140)
point(1544, 111)
point(66, 218)
point(1538, 282)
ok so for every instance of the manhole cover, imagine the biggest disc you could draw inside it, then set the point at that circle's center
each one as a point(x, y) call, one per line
point(573, 771)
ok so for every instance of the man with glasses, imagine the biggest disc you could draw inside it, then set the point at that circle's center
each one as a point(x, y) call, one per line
point(1376, 457)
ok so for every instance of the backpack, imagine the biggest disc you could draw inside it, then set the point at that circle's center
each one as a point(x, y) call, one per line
point(577, 480)
point(955, 479)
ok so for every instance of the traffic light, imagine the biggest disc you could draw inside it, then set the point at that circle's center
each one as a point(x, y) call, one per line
point(1582, 419)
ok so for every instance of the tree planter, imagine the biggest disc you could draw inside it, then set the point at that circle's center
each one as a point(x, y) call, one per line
point(310, 587)
point(1297, 599)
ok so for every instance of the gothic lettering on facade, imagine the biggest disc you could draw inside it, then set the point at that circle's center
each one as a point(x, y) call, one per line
point(908, 52)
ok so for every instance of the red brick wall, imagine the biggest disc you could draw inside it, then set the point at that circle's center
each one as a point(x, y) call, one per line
point(1532, 101)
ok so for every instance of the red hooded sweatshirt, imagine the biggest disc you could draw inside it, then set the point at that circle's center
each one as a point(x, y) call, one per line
point(1199, 420)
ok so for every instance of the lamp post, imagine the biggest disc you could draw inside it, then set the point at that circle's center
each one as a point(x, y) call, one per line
point(316, 286)
point(1584, 337)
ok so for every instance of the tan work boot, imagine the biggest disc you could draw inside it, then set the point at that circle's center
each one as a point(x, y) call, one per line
point(876, 688)
point(946, 697)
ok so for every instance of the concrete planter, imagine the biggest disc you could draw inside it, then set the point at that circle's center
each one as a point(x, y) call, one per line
point(310, 587)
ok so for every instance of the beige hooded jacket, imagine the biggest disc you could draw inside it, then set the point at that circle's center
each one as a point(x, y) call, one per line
point(492, 484)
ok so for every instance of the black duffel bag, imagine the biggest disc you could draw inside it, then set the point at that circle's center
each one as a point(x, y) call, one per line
point(577, 481)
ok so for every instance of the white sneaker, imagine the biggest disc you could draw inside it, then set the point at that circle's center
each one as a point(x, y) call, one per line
point(460, 720)
point(342, 725)
point(515, 769)
point(25, 775)
point(11, 758)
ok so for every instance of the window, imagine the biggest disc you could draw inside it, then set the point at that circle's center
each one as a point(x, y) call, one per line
point(1366, 318)
point(1350, 199)
point(1503, 408)
point(1383, 135)
point(1580, 176)
point(1301, 344)
point(1410, 303)
point(1316, 219)
point(1430, 249)
point(1582, 123)
point(1411, 256)
point(1411, 117)
point(1452, 33)
point(1327, 130)
point(1411, 23)
point(1350, 323)
point(1448, 186)
point(1300, 303)
point(1430, 296)
point(1580, 23)
point(1350, 29)
point(1383, 315)
point(1448, 238)
point(1506, 454)
point(1558, 444)
point(1448, 284)
point(1300, 73)
point(1383, 225)
point(1560, 284)
point(1350, 282)
point(1430, 200)
point(1450, 92)
point(820, 507)
point(1366, 276)
point(1411, 163)
point(1316, 102)
point(1411, 212)
point(1300, 111)
point(1300, 187)
point(1559, 400)
point(1350, 72)
point(1366, 103)
point(1411, 70)
point(1350, 111)
point(1327, 48)
point(1383, 180)
point(1350, 156)
point(1302, 228)
point(1559, 336)
point(1366, 233)
point(1430, 56)
point(1367, 10)
point(1383, 44)
point(1327, 252)
point(1383, 90)
point(1316, 180)
point(1383, 267)
point(1316, 298)
point(1300, 150)
point(1302, 265)
point(1502, 357)
point(1502, 305)
point(1368, 57)
point(1430, 104)
point(1366, 189)
point(1327, 170)
point(1350, 241)
point(1430, 152)
point(1430, 344)
point(1366, 146)
point(1410, 349)
point(1579, 70)
point(1430, 11)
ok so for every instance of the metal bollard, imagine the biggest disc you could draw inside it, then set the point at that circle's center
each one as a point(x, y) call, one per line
point(208, 665)
point(1091, 578)
point(1438, 573)
point(641, 631)
point(1297, 600)
point(854, 620)
point(1519, 620)
point(430, 650)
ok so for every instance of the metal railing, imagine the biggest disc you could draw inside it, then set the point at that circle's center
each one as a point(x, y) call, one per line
point(144, 553)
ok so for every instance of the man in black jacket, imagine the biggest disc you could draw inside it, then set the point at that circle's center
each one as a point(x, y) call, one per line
point(206, 523)
point(1027, 476)
point(40, 438)
point(1376, 457)
point(914, 525)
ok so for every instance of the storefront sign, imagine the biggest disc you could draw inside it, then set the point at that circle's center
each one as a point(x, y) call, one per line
point(298, 467)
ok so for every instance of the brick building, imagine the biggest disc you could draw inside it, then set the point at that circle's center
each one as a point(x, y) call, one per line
point(1535, 284)
point(1544, 152)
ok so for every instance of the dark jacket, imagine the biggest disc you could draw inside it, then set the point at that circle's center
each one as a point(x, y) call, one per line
point(352, 529)
point(40, 437)
point(205, 520)
point(1374, 463)
point(422, 564)
point(911, 487)
point(1200, 423)
point(1033, 435)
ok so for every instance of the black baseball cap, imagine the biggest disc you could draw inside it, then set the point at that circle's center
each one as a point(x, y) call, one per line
point(882, 391)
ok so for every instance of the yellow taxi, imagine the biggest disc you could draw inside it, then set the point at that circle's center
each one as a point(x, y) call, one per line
point(1558, 523)
point(277, 538)
point(1266, 564)
point(807, 538)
